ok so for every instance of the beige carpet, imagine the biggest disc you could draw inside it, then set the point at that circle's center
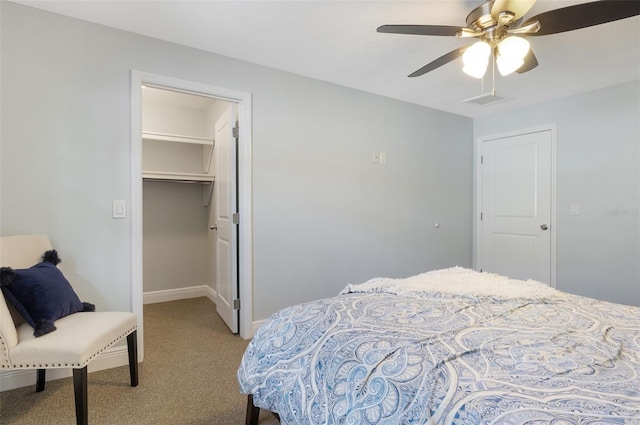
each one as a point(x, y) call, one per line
point(188, 376)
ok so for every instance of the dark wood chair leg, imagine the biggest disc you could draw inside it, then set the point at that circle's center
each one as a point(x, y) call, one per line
point(41, 379)
point(252, 412)
point(80, 391)
point(132, 347)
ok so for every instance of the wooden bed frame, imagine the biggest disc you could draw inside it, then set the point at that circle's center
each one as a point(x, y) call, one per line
point(253, 412)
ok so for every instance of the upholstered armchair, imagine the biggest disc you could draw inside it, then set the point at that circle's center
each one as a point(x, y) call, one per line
point(75, 340)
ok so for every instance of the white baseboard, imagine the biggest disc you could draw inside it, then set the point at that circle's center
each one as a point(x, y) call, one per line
point(179, 294)
point(256, 325)
point(113, 357)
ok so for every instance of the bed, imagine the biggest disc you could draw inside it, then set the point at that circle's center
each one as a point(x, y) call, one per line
point(450, 346)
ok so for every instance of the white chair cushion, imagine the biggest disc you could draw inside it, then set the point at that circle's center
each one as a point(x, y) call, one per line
point(78, 339)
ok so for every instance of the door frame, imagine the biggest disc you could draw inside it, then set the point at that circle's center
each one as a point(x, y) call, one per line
point(477, 192)
point(245, 228)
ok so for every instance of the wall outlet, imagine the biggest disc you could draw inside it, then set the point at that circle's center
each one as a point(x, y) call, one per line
point(376, 157)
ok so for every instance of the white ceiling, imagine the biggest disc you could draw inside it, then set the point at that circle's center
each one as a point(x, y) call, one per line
point(336, 41)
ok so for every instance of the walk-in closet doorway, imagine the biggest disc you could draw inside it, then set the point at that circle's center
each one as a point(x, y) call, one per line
point(190, 206)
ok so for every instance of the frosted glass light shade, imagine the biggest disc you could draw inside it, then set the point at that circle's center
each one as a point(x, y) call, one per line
point(511, 53)
point(507, 66)
point(476, 59)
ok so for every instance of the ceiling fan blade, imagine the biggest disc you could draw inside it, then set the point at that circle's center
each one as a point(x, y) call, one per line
point(420, 29)
point(584, 15)
point(517, 7)
point(442, 60)
point(530, 62)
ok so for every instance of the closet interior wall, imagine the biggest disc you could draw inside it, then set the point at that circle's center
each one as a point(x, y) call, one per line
point(178, 245)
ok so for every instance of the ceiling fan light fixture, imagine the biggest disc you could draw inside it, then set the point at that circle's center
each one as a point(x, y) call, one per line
point(476, 70)
point(507, 66)
point(476, 59)
point(494, 21)
point(511, 53)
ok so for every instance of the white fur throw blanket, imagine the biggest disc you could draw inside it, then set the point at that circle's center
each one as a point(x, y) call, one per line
point(457, 281)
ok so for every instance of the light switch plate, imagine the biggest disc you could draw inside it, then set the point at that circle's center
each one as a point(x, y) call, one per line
point(575, 209)
point(119, 209)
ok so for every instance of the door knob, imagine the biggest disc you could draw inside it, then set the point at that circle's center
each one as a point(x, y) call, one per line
point(544, 226)
point(213, 227)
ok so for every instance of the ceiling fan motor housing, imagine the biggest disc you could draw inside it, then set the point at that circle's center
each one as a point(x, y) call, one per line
point(485, 26)
point(480, 17)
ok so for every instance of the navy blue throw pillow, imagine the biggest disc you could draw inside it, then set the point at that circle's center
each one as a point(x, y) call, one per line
point(41, 294)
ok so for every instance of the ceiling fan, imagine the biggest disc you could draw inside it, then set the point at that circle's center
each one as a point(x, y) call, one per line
point(500, 29)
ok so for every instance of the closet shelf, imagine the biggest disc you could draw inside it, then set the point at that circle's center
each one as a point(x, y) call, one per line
point(176, 138)
point(177, 177)
point(207, 182)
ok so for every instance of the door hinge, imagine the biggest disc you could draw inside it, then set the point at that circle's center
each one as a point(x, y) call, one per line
point(236, 304)
point(235, 218)
point(236, 131)
point(480, 216)
point(481, 159)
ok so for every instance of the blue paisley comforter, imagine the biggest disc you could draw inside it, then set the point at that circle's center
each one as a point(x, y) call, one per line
point(399, 352)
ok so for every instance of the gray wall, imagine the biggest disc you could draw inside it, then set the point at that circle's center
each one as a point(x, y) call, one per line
point(177, 252)
point(324, 215)
point(598, 154)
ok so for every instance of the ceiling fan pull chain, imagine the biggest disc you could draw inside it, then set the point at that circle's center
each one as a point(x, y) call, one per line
point(493, 74)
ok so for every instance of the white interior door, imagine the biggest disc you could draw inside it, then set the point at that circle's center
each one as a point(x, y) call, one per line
point(516, 204)
point(225, 207)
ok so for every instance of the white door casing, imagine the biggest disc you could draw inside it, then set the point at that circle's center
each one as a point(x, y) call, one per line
point(515, 234)
point(245, 249)
point(225, 207)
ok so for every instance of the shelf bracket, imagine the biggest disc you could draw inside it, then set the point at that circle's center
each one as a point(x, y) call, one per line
point(207, 194)
point(207, 157)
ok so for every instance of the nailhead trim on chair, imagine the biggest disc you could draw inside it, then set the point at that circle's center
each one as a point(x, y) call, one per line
point(5, 355)
point(74, 365)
